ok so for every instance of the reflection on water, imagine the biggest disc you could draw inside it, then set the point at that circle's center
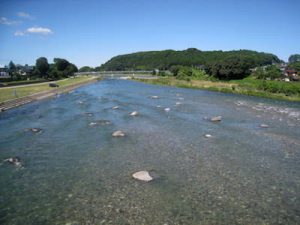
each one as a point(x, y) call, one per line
point(75, 172)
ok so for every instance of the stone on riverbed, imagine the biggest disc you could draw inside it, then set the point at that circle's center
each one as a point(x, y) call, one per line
point(118, 133)
point(134, 113)
point(100, 123)
point(89, 114)
point(264, 125)
point(35, 130)
point(142, 176)
point(216, 119)
point(15, 161)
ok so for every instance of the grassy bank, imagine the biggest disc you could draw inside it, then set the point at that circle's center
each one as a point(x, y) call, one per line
point(17, 92)
point(248, 86)
point(21, 82)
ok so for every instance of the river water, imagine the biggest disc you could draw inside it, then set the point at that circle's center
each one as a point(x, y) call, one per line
point(75, 172)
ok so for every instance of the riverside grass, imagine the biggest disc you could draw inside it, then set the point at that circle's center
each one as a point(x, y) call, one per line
point(17, 92)
point(249, 86)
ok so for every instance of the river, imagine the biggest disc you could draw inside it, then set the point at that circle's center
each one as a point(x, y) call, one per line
point(75, 172)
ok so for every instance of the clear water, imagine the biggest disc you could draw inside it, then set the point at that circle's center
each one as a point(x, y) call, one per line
point(75, 173)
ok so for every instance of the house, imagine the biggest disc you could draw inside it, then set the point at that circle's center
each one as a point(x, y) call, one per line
point(4, 72)
point(292, 74)
point(24, 70)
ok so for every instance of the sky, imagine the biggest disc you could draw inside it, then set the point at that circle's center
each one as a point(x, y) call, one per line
point(90, 32)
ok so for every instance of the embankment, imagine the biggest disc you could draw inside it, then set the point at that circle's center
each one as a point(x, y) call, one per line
point(42, 95)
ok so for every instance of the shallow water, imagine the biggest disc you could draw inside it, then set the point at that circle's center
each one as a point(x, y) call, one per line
point(75, 173)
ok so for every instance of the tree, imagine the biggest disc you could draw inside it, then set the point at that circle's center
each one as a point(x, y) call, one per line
point(61, 64)
point(230, 68)
point(97, 68)
point(259, 73)
point(273, 72)
point(70, 70)
point(42, 65)
point(11, 67)
point(295, 65)
point(62, 68)
point(86, 69)
point(294, 58)
point(174, 70)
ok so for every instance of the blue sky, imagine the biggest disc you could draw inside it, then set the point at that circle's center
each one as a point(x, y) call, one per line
point(90, 32)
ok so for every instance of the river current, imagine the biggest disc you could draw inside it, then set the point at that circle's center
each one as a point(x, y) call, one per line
point(74, 172)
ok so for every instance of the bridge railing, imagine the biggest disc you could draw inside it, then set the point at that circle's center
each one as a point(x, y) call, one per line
point(133, 72)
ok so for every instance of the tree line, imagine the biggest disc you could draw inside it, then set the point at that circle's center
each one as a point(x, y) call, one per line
point(294, 62)
point(220, 64)
point(60, 68)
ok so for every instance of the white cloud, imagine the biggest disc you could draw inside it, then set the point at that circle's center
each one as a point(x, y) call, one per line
point(39, 30)
point(25, 15)
point(19, 33)
point(5, 21)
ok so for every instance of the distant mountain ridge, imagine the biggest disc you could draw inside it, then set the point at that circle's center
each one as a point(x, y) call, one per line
point(163, 60)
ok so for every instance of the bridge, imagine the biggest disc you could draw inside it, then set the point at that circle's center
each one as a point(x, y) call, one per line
point(132, 72)
point(142, 74)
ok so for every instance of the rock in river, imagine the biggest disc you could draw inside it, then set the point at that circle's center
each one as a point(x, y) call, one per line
point(89, 114)
point(264, 125)
point(142, 176)
point(118, 133)
point(115, 107)
point(207, 135)
point(216, 119)
point(100, 123)
point(35, 130)
point(14, 160)
point(134, 113)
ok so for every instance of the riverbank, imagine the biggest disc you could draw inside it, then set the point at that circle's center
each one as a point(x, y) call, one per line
point(13, 97)
point(268, 89)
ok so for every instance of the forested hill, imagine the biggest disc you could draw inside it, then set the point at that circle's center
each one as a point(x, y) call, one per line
point(190, 57)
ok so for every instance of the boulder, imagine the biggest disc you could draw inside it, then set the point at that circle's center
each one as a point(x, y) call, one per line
point(89, 114)
point(118, 133)
point(264, 125)
point(14, 160)
point(216, 119)
point(100, 123)
point(134, 113)
point(35, 130)
point(142, 176)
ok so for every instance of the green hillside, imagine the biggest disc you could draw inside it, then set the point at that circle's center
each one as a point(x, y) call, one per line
point(191, 57)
